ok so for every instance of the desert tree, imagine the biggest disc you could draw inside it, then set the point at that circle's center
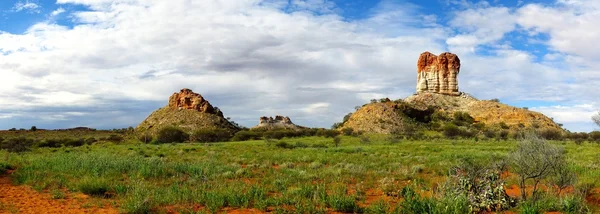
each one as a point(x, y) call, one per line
point(535, 159)
point(596, 118)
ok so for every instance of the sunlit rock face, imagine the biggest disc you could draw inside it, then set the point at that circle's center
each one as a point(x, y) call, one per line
point(438, 74)
point(187, 99)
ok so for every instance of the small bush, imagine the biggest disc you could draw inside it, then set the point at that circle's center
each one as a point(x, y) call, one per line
point(246, 135)
point(503, 125)
point(337, 140)
point(503, 135)
point(462, 118)
point(145, 138)
point(327, 133)
point(595, 136)
point(451, 130)
point(489, 134)
point(284, 145)
point(210, 135)
point(550, 134)
point(97, 187)
point(115, 138)
point(17, 145)
point(171, 135)
point(348, 131)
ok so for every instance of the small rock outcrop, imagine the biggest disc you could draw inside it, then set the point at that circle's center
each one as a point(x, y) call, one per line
point(279, 122)
point(187, 99)
point(188, 111)
point(438, 74)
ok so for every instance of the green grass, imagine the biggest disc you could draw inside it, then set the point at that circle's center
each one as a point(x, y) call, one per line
point(306, 177)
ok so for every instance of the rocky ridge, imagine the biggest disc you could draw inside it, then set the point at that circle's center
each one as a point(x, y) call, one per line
point(279, 122)
point(186, 110)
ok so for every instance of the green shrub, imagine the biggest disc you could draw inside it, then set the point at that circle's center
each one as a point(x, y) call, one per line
point(171, 135)
point(462, 118)
point(503, 125)
point(280, 134)
point(284, 145)
point(343, 203)
point(535, 159)
point(210, 135)
point(348, 131)
point(480, 185)
point(17, 145)
point(98, 187)
point(595, 136)
point(503, 135)
point(247, 135)
point(337, 140)
point(451, 130)
point(414, 203)
point(574, 204)
point(550, 134)
point(327, 133)
point(489, 134)
point(4, 167)
point(145, 138)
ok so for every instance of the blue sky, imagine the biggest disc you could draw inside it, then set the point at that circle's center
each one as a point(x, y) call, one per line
point(109, 63)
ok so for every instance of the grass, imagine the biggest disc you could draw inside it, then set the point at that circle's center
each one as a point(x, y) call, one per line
point(307, 175)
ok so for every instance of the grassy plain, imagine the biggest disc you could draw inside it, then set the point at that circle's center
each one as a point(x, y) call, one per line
point(314, 177)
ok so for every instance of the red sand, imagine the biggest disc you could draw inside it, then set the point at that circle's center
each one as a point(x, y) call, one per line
point(23, 199)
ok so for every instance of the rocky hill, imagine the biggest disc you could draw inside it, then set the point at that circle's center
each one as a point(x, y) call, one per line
point(279, 122)
point(186, 110)
point(437, 93)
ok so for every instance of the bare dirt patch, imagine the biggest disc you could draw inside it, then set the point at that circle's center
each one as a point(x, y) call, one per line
point(23, 199)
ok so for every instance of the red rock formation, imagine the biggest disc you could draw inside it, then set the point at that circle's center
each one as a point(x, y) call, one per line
point(438, 74)
point(187, 99)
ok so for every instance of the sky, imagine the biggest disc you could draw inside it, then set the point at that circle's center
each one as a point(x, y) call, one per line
point(110, 63)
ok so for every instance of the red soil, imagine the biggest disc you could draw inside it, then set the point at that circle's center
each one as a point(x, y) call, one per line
point(23, 199)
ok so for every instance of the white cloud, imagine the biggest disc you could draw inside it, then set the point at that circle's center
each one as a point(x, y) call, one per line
point(481, 25)
point(58, 11)
point(26, 6)
point(248, 58)
point(123, 58)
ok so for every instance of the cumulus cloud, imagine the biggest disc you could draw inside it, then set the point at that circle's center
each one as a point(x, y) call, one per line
point(121, 59)
point(247, 57)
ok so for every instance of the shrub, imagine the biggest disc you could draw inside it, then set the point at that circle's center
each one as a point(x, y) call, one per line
point(284, 145)
point(462, 118)
point(348, 131)
point(503, 125)
point(17, 145)
point(451, 130)
point(365, 140)
point(145, 138)
point(337, 140)
point(550, 134)
point(280, 134)
point(210, 135)
point(98, 187)
point(535, 159)
point(489, 134)
point(414, 203)
point(114, 138)
point(171, 135)
point(246, 135)
point(327, 133)
point(481, 186)
point(503, 135)
point(595, 136)
point(33, 128)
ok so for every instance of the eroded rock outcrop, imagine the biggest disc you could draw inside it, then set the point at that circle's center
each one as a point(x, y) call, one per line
point(438, 74)
point(188, 111)
point(187, 99)
point(279, 122)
